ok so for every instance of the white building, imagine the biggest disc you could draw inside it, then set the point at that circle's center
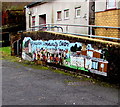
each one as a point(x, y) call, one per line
point(103, 5)
point(80, 12)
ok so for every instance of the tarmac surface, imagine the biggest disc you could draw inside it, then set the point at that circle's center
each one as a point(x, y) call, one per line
point(22, 85)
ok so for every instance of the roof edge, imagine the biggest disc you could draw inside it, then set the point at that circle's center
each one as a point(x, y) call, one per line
point(32, 4)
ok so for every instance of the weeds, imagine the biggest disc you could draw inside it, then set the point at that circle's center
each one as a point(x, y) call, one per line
point(5, 53)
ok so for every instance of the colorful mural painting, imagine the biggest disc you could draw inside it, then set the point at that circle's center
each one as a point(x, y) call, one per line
point(74, 55)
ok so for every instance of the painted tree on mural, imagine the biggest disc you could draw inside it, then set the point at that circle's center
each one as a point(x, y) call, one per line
point(75, 48)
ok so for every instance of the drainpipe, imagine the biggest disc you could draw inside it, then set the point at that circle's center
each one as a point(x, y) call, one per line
point(88, 14)
point(28, 13)
point(29, 20)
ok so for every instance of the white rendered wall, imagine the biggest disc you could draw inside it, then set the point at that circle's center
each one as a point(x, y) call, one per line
point(100, 5)
point(51, 8)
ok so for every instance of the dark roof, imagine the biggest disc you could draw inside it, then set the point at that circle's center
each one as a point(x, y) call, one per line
point(37, 2)
point(32, 4)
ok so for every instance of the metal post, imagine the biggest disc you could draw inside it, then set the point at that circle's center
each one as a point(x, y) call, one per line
point(48, 27)
point(66, 28)
point(58, 29)
point(17, 47)
point(90, 30)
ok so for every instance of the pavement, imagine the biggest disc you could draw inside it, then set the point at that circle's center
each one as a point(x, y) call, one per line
point(22, 85)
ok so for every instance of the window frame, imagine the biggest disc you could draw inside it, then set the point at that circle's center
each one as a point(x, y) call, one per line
point(108, 5)
point(58, 15)
point(76, 11)
point(33, 21)
point(65, 16)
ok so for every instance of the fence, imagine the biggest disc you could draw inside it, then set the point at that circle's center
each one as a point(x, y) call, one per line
point(88, 30)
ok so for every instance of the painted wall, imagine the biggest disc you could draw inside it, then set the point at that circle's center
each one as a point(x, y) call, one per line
point(51, 8)
point(110, 50)
point(76, 55)
point(100, 5)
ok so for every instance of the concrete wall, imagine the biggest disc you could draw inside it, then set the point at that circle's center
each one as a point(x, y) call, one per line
point(51, 8)
point(112, 49)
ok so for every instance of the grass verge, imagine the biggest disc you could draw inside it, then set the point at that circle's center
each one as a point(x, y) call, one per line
point(5, 53)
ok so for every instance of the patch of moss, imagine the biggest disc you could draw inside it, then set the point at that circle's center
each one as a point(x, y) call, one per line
point(33, 65)
point(5, 54)
point(62, 72)
point(5, 50)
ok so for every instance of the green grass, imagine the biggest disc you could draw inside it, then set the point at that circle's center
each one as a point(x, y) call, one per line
point(6, 50)
point(5, 53)
point(33, 65)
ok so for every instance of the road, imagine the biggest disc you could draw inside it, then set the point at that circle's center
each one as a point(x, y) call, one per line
point(22, 85)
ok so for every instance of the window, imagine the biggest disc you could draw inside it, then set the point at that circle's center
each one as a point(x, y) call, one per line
point(42, 19)
point(59, 15)
point(33, 20)
point(95, 65)
point(77, 12)
point(66, 14)
point(111, 4)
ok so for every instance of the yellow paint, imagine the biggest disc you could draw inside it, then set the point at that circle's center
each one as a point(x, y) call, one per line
point(108, 18)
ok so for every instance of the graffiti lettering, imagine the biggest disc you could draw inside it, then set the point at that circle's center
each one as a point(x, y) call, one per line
point(61, 43)
point(50, 44)
point(36, 43)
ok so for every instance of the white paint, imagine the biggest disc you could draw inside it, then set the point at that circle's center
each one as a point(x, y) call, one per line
point(101, 5)
point(98, 72)
point(51, 8)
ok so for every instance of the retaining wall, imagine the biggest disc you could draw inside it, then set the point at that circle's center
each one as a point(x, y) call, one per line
point(110, 51)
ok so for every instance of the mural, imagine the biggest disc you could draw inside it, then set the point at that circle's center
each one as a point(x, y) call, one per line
point(74, 55)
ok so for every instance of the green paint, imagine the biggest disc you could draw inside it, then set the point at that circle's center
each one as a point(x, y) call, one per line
point(74, 67)
point(68, 60)
point(78, 68)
